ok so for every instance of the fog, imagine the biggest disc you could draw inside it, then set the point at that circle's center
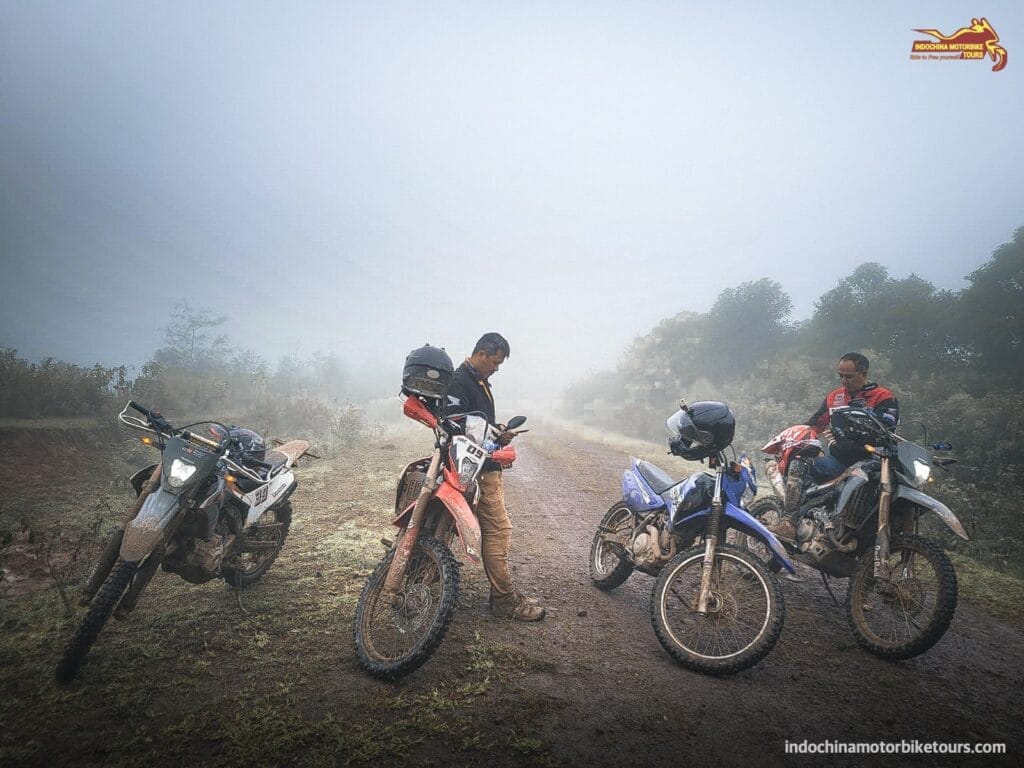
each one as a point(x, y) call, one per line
point(359, 179)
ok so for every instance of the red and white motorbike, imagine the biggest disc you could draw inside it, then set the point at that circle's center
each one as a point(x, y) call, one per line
point(407, 604)
point(792, 443)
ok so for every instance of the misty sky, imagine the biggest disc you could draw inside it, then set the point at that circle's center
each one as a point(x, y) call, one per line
point(360, 178)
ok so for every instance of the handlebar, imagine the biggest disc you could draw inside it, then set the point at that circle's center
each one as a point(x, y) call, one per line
point(140, 408)
point(155, 422)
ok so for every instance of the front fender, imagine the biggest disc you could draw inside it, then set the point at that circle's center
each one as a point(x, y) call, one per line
point(924, 500)
point(465, 521)
point(746, 523)
point(145, 531)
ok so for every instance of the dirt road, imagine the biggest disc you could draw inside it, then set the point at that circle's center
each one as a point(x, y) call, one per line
point(203, 677)
point(613, 694)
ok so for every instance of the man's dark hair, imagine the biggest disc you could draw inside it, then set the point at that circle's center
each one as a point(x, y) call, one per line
point(491, 344)
point(859, 361)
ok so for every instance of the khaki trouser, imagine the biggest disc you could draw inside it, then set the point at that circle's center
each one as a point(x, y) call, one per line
point(496, 534)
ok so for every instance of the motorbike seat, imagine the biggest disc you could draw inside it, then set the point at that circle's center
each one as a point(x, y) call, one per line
point(657, 478)
point(292, 450)
point(288, 453)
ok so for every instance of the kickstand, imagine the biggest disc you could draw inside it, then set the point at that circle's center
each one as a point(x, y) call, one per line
point(237, 586)
point(828, 586)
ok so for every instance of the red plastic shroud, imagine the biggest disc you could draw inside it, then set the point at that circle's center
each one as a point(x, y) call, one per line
point(417, 411)
point(788, 441)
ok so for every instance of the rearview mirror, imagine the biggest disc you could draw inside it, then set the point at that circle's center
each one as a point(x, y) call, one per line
point(515, 422)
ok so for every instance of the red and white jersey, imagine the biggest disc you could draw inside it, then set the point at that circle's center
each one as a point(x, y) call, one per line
point(879, 399)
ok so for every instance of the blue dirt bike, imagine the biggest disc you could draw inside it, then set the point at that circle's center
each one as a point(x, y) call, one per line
point(716, 608)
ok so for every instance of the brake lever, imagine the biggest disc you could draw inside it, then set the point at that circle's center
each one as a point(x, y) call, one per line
point(160, 423)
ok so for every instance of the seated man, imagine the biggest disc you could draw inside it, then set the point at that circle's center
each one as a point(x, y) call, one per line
point(855, 390)
point(840, 452)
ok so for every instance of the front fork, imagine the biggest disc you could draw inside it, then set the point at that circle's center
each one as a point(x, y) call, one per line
point(408, 539)
point(884, 507)
point(710, 546)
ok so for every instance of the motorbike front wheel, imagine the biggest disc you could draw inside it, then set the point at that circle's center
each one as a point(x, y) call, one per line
point(102, 606)
point(744, 614)
point(609, 565)
point(396, 635)
point(905, 612)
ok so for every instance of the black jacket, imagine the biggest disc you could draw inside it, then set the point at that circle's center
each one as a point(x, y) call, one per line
point(468, 392)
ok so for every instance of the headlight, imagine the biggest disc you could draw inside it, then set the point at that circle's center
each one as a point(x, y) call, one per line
point(467, 471)
point(922, 471)
point(180, 472)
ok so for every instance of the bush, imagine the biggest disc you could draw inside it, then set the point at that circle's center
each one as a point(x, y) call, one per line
point(53, 388)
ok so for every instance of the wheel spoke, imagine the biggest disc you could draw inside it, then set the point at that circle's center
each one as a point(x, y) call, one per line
point(395, 633)
point(736, 614)
point(907, 610)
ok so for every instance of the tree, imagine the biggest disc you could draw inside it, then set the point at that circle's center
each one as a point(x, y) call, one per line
point(746, 324)
point(843, 317)
point(906, 319)
point(992, 310)
point(186, 342)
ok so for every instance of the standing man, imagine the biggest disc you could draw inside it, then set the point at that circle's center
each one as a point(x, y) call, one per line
point(840, 452)
point(470, 390)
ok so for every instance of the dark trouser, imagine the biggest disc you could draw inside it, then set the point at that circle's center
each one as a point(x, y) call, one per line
point(827, 467)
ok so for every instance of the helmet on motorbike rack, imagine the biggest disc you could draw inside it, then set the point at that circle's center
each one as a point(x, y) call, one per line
point(427, 373)
point(249, 442)
point(703, 429)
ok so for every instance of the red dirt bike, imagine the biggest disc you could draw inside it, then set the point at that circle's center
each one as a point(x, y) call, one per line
point(797, 441)
point(407, 603)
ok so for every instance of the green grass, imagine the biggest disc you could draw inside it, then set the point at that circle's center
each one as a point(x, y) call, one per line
point(998, 594)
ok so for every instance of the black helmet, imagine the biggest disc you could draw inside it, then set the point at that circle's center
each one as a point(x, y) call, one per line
point(428, 371)
point(249, 442)
point(702, 429)
point(856, 426)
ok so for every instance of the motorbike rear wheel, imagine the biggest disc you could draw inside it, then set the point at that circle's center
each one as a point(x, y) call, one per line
point(744, 617)
point(906, 614)
point(396, 637)
point(103, 605)
point(610, 568)
point(768, 510)
point(244, 569)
